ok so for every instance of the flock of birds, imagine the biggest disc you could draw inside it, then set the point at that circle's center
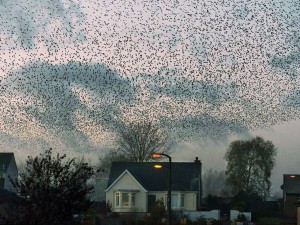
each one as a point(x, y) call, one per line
point(205, 71)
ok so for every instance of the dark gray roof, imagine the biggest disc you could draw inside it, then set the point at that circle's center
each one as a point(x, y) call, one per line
point(184, 177)
point(291, 183)
point(5, 159)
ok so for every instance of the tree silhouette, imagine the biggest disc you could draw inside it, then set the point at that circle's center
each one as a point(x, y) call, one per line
point(249, 165)
point(55, 188)
point(135, 142)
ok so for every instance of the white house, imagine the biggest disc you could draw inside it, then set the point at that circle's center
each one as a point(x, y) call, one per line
point(135, 187)
point(8, 169)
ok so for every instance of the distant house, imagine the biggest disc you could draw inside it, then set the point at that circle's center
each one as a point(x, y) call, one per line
point(100, 187)
point(8, 169)
point(291, 193)
point(136, 186)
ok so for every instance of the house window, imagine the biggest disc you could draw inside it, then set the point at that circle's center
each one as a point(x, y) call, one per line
point(117, 201)
point(174, 201)
point(125, 199)
point(177, 200)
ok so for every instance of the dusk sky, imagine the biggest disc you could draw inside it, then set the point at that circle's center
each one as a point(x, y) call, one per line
point(210, 72)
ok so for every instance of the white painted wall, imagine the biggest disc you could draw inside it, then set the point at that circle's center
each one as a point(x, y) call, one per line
point(234, 214)
point(190, 198)
point(213, 214)
point(191, 201)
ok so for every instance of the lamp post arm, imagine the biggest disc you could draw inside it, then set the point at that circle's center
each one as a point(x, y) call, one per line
point(169, 157)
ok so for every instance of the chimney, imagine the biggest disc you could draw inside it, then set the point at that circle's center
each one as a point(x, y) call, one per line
point(198, 176)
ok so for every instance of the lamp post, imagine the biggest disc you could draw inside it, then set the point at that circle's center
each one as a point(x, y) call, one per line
point(159, 155)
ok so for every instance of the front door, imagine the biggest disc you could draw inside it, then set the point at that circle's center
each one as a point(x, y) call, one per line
point(151, 201)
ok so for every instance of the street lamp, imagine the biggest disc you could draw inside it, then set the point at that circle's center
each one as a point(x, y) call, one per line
point(158, 166)
point(156, 156)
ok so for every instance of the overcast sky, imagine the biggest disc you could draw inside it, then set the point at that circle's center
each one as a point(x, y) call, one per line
point(209, 72)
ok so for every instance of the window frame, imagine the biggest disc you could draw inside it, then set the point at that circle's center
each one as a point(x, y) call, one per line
point(119, 202)
point(117, 199)
point(180, 200)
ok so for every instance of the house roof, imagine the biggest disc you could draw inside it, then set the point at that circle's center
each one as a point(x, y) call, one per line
point(291, 183)
point(119, 177)
point(184, 177)
point(5, 159)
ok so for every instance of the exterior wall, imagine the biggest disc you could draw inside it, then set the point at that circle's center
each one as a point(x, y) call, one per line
point(234, 215)
point(194, 215)
point(109, 197)
point(100, 187)
point(158, 194)
point(290, 209)
point(128, 184)
point(190, 199)
point(11, 172)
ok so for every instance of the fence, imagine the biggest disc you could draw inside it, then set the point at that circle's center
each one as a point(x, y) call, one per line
point(135, 216)
point(194, 215)
point(234, 214)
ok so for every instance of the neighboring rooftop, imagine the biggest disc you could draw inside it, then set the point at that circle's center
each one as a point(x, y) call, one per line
point(184, 177)
point(5, 159)
point(291, 183)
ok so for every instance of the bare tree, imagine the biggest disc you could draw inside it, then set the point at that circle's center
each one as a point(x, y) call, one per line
point(105, 160)
point(137, 141)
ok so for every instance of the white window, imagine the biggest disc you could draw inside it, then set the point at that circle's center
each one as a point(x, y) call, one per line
point(125, 199)
point(174, 201)
point(117, 199)
point(177, 200)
